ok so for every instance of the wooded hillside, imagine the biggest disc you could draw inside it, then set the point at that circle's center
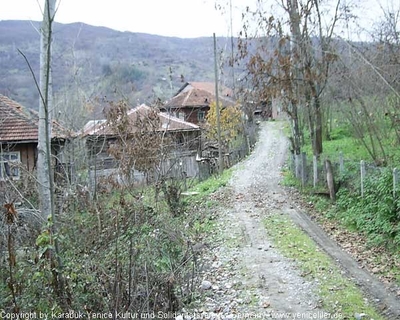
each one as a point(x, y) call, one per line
point(99, 62)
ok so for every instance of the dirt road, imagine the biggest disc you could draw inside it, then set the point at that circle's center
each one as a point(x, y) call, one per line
point(246, 274)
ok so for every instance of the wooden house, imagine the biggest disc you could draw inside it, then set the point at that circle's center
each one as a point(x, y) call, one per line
point(192, 101)
point(19, 139)
point(184, 137)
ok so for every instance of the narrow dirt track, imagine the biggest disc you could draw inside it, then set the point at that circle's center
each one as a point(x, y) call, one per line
point(256, 191)
point(246, 273)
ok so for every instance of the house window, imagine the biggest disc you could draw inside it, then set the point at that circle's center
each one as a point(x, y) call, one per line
point(181, 115)
point(9, 165)
point(201, 115)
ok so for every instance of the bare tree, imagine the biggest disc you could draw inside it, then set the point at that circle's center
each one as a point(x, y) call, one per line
point(44, 171)
point(290, 61)
point(365, 84)
point(44, 162)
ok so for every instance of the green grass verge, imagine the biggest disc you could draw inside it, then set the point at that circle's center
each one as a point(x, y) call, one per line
point(337, 293)
point(199, 200)
point(350, 147)
point(212, 184)
point(341, 140)
point(289, 180)
point(380, 248)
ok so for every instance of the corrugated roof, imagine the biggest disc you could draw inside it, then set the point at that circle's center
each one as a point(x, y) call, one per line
point(167, 122)
point(19, 124)
point(199, 94)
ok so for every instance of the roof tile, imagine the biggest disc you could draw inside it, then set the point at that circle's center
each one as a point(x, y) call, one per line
point(18, 124)
point(199, 94)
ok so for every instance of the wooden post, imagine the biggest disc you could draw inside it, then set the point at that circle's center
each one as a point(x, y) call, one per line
point(330, 180)
point(362, 169)
point(303, 169)
point(315, 170)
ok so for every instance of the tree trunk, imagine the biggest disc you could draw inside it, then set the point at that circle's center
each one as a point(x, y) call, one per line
point(317, 143)
point(311, 120)
point(44, 173)
point(295, 54)
point(44, 163)
point(296, 133)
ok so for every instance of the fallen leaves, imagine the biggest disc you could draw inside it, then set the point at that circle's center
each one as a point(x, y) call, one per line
point(377, 260)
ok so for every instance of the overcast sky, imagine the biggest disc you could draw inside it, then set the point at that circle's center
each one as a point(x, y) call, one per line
point(181, 18)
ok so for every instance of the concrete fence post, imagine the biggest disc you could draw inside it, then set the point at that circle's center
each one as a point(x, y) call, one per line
point(303, 168)
point(297, 165)
point(330, 180)
point(395, 181)
point(293, 164)
point(362, 169)
point(315, 171)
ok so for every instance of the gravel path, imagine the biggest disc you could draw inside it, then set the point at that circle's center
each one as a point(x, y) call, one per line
point(245, 275)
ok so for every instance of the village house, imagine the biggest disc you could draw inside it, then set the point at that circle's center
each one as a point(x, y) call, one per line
point(19, 139)
point(192, 101)
point(185, 136)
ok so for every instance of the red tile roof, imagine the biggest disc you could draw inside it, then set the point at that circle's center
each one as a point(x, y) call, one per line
point(19, 124)
point(210, 87)
point(167, 122)
point(199, 94)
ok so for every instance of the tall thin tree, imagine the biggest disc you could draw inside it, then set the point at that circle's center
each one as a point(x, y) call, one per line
point(44, 162)
point(44, 168)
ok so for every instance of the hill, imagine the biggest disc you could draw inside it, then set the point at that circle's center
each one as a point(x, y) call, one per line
point(97, 62)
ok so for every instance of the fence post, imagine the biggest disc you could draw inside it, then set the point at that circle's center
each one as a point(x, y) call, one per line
point(303, 168)
point(330, 180)
point(341, 163)
point(293, 164)
point(315, 170)
point(395, 178)
point(297, 165)
point(362, 169)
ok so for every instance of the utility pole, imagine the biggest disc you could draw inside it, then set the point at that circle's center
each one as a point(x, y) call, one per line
point(232, 53)
point(220, 159)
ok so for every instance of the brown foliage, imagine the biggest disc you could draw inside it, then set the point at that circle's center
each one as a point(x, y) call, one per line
point(292, 64)
point(11, 213)
point(140, 142)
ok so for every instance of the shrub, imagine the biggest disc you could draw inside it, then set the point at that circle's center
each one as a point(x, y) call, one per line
point(375, 214)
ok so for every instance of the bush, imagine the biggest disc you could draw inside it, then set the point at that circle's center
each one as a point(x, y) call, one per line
point(126, 251)
point(375, 214)
point(339, 133)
